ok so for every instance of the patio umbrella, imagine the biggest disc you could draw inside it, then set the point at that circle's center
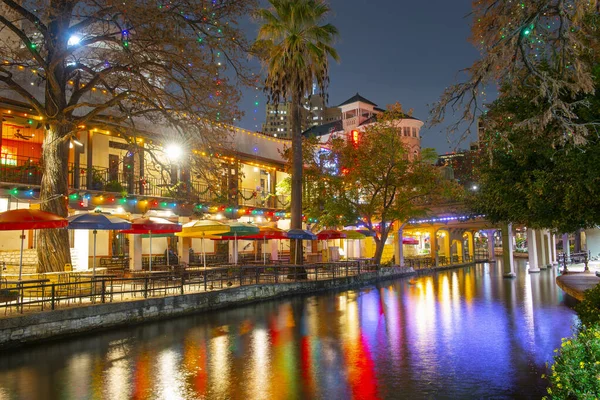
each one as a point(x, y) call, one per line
point(268, 233)
point(367, 232)
point(409, 240)
point(237, 229)
point(353, 235)
point(202, 228)
point(20, 220)
point(330, 234)
point(97, 221)
point(300, 234)
point(150, 225)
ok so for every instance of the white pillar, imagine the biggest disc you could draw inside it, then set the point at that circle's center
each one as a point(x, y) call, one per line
point(491, 244)
point(274, 253)
point(507, 251)
point(532, 250)
point(81, 243)
point(135, 252)
point(554, 258)
point(541, 249)
point(566, 245)
point(549, 250)
point(184, 244)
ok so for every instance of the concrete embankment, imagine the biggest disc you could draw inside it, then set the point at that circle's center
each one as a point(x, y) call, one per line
point(19, 330)
point(576, 283)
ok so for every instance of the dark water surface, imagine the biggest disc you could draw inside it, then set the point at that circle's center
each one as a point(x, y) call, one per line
point(460, 334)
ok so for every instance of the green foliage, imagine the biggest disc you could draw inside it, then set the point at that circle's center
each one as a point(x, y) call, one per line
point(588, 310)
point(114, 186)
point(575, 373)
point(527, 179)
point(295, 45)
point(378, 179)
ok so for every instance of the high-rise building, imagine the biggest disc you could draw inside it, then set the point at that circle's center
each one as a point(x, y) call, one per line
point(313, 112)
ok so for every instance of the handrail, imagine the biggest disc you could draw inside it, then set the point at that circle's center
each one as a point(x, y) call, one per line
point(88, 290)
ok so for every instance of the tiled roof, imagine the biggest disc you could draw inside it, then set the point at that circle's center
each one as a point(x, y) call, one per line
point(324, 129)
point(357, 97)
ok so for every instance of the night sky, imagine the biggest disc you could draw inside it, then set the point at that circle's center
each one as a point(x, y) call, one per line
point(395, 50)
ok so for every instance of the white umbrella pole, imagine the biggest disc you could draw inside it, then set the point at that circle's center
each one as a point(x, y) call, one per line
point(150, 265)
point(94, 259)
point(235, 248)
point(263, 249)
point(21, 257)
point(168, 251)
point(204, 253)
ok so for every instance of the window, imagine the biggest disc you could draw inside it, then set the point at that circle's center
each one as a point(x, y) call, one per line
point(414, 130)
point(9, 155)
point(406, 131)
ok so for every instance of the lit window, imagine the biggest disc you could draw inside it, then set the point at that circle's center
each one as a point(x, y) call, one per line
point(9, 155)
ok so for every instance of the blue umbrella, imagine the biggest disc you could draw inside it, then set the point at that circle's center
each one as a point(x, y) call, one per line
point(300, 234)
point(96, 222)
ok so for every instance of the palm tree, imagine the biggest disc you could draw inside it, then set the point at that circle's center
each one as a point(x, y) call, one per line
point(298, 45)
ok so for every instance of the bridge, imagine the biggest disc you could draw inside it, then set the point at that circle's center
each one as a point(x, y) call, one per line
point(452, 237)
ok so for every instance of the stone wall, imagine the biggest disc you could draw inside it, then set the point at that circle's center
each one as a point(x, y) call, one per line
point(19, 330)
point(30, 260)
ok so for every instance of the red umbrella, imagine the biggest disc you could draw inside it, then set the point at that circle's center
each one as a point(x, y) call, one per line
point(409, 240)
point(150, 225)
point(19, 220)
point(330, 234)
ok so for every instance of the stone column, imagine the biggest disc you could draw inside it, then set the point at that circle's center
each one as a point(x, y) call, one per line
point(549, 249)
point(532, 250)
point(135, 252)
point(577, 247)
point(507, 251)
point(184, 244)
point(566, 245)
point(398, 249)
point(434, 246)
point(491, 248)
point(472, 246)
point(554, 257)
point(541, 250)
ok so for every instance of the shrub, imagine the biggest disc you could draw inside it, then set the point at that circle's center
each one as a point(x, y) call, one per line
point(589, 308)
point(575, 373)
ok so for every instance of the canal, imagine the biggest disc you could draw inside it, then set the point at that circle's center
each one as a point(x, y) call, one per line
point(459, 334)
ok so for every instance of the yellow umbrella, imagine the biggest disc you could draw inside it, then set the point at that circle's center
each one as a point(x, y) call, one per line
point(203, 229)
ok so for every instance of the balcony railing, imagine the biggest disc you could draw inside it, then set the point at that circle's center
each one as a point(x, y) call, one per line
point(28, 171)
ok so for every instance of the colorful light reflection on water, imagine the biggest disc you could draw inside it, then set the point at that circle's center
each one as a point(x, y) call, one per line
point(465, 333)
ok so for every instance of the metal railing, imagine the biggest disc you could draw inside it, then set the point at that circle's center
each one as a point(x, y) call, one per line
point(573, 258)
point(76, 290)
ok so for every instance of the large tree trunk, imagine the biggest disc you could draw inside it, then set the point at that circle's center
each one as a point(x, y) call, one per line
point(297, 165)
point(379, 246)
point(53, 244)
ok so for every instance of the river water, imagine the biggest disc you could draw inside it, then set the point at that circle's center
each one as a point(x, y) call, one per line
point(459, 334)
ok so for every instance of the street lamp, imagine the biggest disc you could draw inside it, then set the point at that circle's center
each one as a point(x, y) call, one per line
point(474, 187)
point(173, 152)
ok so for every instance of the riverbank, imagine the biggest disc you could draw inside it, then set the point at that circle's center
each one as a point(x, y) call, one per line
point(576, 283)
point(19, 330)
point(16, 331)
